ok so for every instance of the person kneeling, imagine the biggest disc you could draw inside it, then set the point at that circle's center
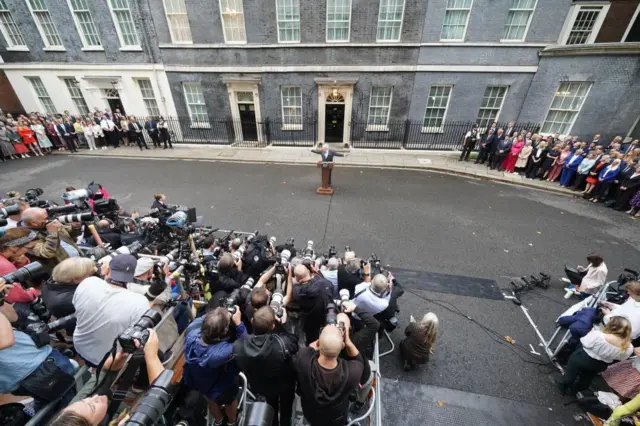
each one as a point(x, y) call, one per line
point(210, 367)
point(418, 345)
point(587, 280)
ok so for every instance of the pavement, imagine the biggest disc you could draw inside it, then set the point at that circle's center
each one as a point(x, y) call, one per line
point(412, 219)
point(438, 161)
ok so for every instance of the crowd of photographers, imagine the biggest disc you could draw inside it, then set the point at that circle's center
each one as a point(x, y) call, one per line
point(86, 284)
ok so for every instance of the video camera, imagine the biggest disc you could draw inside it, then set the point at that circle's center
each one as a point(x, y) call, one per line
point(139, 331)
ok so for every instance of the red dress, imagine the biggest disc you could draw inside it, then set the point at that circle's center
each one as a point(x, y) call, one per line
point(27, 135)
point(509, 163)
point(592, 180)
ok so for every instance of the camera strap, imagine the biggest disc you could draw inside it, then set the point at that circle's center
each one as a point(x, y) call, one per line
point(111, 353)
point(124, 382)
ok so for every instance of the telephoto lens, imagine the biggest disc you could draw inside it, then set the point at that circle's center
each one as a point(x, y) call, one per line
point(237, 255)
point(78, 217)
point(10, 210)
point(249, 284)
point(153, 403)
point(23, 274)
point(139, 331)
point(344, 297)
point(260, 414)
point(65, 322)
point(272, 241)
point(3, 222)
point(55, 210)
point(331, 315)
point(308, 251)
point(77, 194)
point(276, 302)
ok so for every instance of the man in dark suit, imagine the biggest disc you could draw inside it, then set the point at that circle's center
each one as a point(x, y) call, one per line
point(327, 156)
point(499, 137)
point(486, 147)
point(152, 129)
point(628, 148)
point(135, 133)
point(510, 129)
point(626, 171)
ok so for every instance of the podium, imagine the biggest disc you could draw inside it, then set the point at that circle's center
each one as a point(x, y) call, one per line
point(326, 167)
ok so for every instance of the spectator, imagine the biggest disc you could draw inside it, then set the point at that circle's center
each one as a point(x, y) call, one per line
point(151, 126)
point(348, 275)
point(418, 343)
point(509, 162)
point(135, 133)
point(109, 130)
point(587, 280)
point(159, 202)
point(230, 274)
point(57, 293)
point(41, 135)
point(50, 128)
point(469, 143)
point(105, 308)
point(584, 168)
point(499, 137)
point(98, 134)
point(331, 274)
point(635, 205)
point(559, 163)
point(629, 309)
point(523, 157)
point(123, 129)
point(70, 135)
point(158, 293)
point(79, 131)
point(605, 179)
point(502, 151)
point(7, 149)
point(630, 148)
point(28, 138)
point(570, 168)
point(87, 128)
point(14, 245)
point(550, 160)
point(165, 136)
point(266, 358)
point(538, 157)
point(599, 349)
point(210, 367)
point(627, 190)
point(592, 178)
point(486, 147)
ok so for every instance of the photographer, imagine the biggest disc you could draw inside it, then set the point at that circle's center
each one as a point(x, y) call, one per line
point(325, 380)
point(13, 220)
point(108, 234)
point(43, 373)
point(54, 242)
point(311, 294)
point(348, 275)
point(160, 202)
point(373, 296)
point(14, 245)
point(105, 308)
point(158, 292)
point(210, 367)
point(629, 309)
point(58, 292)
point(265, 357)
point(330, 273)
point(230, 274)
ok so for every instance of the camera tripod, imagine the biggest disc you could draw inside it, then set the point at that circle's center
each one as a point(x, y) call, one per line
point(525, 284)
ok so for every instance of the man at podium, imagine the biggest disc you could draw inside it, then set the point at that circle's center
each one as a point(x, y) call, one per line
point(327, 156)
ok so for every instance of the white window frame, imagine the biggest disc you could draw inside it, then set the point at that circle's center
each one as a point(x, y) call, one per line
point(170, 26)
point(378, 39)
point(631, 22)
point(466, 25)
point(146, 99)
point(31, 80)
point(125, 47)
point(291, 126)
point(244, 24)
point(497, 117)
point(278, 22)
point(85, 44)
point(195, 124)
point(379, 127)
point(577, 112)
point(349, 27)
point(446, 110)
point(5, 33)
point(526, 30)
point(71, 83)
point(573, 14)
point(43, 36)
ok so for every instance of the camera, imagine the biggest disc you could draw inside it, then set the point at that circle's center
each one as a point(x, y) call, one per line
point(239, 253)
point(3, 222)
point(77, 194)
point(139, 331)
point(10, 210)
point(39, 330)
point(308, 252)
point(56, 210)
point(331, 317)
point(277, 299)
point(106, 206)
point(153, 403)
point(285, 255)
point(33, 194)
point(78, 217)
point(23, 274)
point(344, 297)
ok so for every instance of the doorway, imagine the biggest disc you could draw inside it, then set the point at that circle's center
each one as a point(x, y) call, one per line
point(112, 96)
point(248, 122)
point(334, 123)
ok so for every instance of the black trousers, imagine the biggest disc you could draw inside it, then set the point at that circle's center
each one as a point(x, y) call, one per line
point(574, 275)
point(580, 181)
point(112, 138)
point(532, 169)
point(580, 371)
point(156, 140)
point(498, 159)
point(139, 139)
point(484, 154)
point(466, 150)
point(282, 404)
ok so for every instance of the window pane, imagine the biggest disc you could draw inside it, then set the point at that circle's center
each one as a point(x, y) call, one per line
point(455, 19)
point(583, 25)
point(288, 12)
point(491, 105)
point(42, 94)
point(178, 21)
point(149, 97)
point(233, 21)
point(379, 106)
point(124, 22)
point(45, 23)
point(195, 102)
point(9, 27)
point(390, 20)
point(86, 26)
point(518, 19)
point(565, 107)
point(292, 105)
point(437, 104)
point(76, 95)
point(338, 20)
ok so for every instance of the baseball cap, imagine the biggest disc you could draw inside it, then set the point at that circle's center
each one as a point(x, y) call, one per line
point(122, 268)
point(143, 265)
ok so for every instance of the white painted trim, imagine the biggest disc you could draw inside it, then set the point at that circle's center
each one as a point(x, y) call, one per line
point(326, 27)
point(466, 26)
point(573, 13)
point(446, 110)
point(17, 49)
point(81, 67)
point(526, 30)
point(41, 30)
point(633, 127)
point(579, 109)
point(54, 49)
point(323, 92)
point(123, 47)
point(93, 49)
point(232, 89)
point(379, 127)
point(354, 68)
point(278, 26)
point(631, 22)
point(294, 45)
point(131, 49)
point(224, 32)
point(506, 93)
point(85, 46)
point(291, 126)
point(509, 43)
point(404, 6)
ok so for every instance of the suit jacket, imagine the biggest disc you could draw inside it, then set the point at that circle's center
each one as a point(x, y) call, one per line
point(132, 129)
point(631, 182)
point(538, 158)
point(490, 141)
point(608, 175)
point(330, 154)
point(151, 126)
point(509, 132)
point(60, 128)
point(70, 129)
point(573, 162)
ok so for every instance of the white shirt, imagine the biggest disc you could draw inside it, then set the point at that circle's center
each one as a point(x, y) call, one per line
point(331, 276)
point(595, 345)
point(594, 279)
point(103, 312)
point(631, 311)
point(368, 301)
point(88, 130)
point(97, 130)
point(107, 124)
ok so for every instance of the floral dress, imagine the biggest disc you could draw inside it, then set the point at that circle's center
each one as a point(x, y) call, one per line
point(43, 140)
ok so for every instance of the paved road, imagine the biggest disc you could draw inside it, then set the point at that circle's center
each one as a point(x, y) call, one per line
point(414, 220)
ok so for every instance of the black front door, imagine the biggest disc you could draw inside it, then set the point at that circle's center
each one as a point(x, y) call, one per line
point(248, 122)
point(334, 123)
point(114, 104)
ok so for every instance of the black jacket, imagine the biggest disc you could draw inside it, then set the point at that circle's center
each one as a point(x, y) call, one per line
point(108, 236)
point(231, 281)
point(267, 362)
point(330, 154)
point(59, 298)
point(158, 205)
point(132, 130)
point(347, 280)
point(490, 141)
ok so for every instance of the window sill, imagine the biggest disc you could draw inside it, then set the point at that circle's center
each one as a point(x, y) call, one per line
point(291, 127)
point(338, 41)
point(93, 49)
point(131, 49)
point(54, 49)
point(289, 42)
point(235, 42)
point(443, 40)
point(18, 49)
point(511, 41)
point(377, 128)
point(388, 41)
point(432, 130)
point(200, 125)
point(182, 43)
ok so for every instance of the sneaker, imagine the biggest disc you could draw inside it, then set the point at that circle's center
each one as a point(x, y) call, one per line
point(221, 423)
point(234, 423)
point(566, 280)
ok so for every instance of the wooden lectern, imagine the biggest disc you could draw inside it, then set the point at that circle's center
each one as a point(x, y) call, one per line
point(326, 167)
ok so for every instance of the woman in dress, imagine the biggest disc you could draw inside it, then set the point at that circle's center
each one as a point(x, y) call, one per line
point(14, 138)
point(41, 134)
point(123, 129)
point(509, 163)
point(538, 157)
point(523, 157)
point(592, 178)
point(550, 160)
point(6, 148)
point(88, 134)
point(98, 135)
point(556, 169)
point(605, 179)
point(50, 128)
point(28, 138)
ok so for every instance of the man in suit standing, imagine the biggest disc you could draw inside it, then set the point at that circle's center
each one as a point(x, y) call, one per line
point(597, 140)
point(62, 134)
point(486, 147)
point(152, 129)
point(327, 156)
point(510, 129)
point(109, 130)
point(135, 133)
point(628, 149)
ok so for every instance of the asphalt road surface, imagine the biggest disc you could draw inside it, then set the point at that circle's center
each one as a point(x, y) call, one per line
point(412, 219)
